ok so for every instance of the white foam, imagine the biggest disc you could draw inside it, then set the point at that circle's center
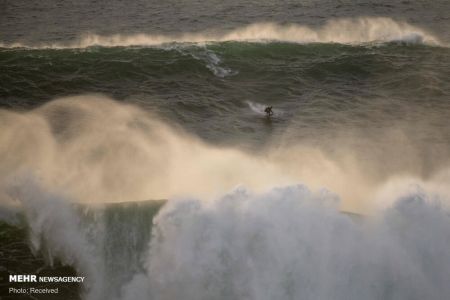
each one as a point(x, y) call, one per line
point(292, 243)
point(345, 31)
point(257, 108)
point(211, 59)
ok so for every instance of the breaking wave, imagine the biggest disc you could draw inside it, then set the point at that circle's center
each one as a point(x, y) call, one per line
point(345, 31)
point(287, 243)
point(292, 243)
point(269, 238)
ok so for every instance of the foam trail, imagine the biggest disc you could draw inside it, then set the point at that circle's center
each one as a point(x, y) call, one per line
point(213, 64)
point(257, 108)
point(345, 31)
point(212, 60)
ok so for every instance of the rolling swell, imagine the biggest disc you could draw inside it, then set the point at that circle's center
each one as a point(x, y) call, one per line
point(123, 71)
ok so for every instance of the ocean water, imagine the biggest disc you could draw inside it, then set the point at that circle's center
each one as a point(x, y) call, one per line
point(134, 148)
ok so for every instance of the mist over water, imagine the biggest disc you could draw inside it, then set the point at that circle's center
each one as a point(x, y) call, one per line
point(118, 152)
point(236, 225)
point(134, 146)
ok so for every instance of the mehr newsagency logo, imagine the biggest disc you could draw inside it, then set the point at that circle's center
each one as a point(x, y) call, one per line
point(26, 278)
point(35, 278)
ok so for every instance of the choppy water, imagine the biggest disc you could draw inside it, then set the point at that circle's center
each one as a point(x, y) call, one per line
point(124, 102)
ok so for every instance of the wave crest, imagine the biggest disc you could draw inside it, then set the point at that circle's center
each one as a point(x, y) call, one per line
point(343, 31)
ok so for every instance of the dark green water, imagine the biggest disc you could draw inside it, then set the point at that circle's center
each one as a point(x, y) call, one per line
point(316, 87)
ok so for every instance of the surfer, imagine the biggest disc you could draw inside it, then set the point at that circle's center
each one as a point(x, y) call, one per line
point(268, 111)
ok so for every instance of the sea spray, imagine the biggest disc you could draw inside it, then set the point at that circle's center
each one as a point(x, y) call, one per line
point(344, 30)
point(286, 243)
point(257, 108)
point(360, 93)
point(256, 242)
point(104, 243)
point(56, 232)
point(291, 243)
point(98, 150)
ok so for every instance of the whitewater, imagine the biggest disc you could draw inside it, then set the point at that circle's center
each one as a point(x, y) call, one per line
point(287, 243)
point(344, 31)
point(135, 152)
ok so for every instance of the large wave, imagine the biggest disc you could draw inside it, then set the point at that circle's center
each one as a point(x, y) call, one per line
point(287, 243)
point(291, 243)
point(346, 31)
point(268, 239)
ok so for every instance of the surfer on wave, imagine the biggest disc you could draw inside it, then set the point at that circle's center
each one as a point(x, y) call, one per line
point(268, 110)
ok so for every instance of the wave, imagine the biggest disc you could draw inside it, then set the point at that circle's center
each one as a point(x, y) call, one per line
point(289, 242)
point(64, 162)
point(345, 31)
point(88, 238)
point(292, 243)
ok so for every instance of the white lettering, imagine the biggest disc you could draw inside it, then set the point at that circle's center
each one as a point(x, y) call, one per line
point(22, 278)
